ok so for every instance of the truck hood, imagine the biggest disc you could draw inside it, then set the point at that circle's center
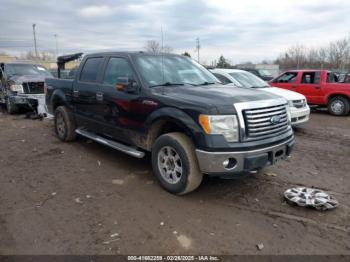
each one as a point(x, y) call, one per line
point(287, 94)
point(26, 78)
point(219, 96)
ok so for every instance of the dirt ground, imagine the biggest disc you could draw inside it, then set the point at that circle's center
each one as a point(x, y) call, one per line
point(84, 198)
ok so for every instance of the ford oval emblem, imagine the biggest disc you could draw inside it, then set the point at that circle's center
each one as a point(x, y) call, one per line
point(275, 120)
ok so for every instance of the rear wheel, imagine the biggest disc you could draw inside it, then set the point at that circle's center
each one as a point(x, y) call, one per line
point(175, 164)
point(339, 106)
point(64, 124)
point(11, 107)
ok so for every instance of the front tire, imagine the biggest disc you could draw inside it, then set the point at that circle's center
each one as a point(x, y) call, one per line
point(175, 164)
point(64, 124)
point(339, 106)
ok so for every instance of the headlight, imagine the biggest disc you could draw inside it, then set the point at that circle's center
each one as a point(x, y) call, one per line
point(226, 125)
point(16, 88)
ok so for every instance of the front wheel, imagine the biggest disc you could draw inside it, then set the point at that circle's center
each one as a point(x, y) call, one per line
point(175, 164)
point(64, 124)
point(339, 106)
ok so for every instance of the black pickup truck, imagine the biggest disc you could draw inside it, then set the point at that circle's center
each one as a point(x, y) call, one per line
point(174, 108)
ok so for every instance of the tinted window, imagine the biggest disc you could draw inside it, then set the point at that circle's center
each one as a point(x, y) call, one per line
point(117, 67)
point(90, 69)
point(223, 79)
point(289, 77)
point(310, 78)
point(332, 78)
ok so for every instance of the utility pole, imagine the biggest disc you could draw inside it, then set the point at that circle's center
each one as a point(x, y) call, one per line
point(198, 46)
point(35, 47)
point(55, 35)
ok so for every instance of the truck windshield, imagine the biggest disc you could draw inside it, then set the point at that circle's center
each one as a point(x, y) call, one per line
point(248, 80)
point(26, 69)
point(264, 72)
point(173, 70)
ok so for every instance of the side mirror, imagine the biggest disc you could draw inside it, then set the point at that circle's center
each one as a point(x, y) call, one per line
point(126, 85)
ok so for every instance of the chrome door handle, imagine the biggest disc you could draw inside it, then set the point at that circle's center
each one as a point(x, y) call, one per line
point(75, 93)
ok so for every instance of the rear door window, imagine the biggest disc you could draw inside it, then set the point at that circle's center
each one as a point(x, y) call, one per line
point(91, 69)
point(310, 78)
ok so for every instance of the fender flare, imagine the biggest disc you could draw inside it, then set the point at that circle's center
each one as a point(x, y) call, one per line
point(177, 116)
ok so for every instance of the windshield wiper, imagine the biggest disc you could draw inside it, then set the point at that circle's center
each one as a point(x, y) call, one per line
point(206, 83)
point(168, 84)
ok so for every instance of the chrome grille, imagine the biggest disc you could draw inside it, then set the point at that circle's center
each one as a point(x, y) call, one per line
point(33, 87)
point(259, 121)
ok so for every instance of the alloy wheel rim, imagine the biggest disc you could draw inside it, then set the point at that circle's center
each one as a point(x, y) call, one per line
point(170, 165)
point(61, 125)
point(337, 106)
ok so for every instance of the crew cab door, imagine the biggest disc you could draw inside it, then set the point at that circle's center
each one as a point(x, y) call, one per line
point(120, 106)
point(310, 86)
point(287, 80)
point(86, 90)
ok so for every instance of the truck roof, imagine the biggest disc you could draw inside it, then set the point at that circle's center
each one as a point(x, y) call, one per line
point(308, 70)
point(132, 53)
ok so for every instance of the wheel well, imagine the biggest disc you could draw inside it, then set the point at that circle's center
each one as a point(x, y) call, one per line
point(163, 127)
point(335, 95)
point(56, 102)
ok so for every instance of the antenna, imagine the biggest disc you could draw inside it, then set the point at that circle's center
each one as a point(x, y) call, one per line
point(198, 46)
point(162, 52)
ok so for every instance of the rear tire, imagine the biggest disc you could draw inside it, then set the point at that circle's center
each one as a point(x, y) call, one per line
point(65, 124)
point(11, 107)
point(339, 106)
point(175, 164)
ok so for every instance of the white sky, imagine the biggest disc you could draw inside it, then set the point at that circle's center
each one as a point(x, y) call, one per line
point(250, 30)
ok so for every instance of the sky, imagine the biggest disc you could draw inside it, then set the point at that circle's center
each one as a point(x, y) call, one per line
point(250, 30)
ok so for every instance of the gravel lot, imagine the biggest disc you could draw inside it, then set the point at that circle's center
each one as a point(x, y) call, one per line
point(84, 198)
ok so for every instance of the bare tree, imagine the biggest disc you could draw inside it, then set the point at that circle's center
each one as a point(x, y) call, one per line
point(153, 47)
point(334, 56)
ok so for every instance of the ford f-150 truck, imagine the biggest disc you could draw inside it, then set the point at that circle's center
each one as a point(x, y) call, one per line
point(174, 108)
point(22, 85)
point(320, 87)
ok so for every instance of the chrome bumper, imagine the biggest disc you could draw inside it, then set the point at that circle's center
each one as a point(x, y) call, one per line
point(212, 162)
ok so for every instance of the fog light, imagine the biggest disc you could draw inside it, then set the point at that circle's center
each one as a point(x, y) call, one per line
point(229, 163)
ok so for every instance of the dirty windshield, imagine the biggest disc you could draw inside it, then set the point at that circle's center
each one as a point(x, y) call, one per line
point(26, 69)
point(168, 70)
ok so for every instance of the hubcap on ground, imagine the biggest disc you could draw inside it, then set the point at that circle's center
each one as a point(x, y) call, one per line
point(60, 125)
point(170, 165)
point(337, 106)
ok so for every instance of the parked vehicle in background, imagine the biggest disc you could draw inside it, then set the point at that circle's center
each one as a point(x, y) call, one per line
point(299, 109)
point(321, 87)
point(173, 107)
point(22, 86)
point(262, 73)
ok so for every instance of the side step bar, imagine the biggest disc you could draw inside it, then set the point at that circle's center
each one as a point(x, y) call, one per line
point(113, 144)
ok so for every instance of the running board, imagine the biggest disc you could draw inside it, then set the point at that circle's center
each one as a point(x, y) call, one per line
point(113, 144)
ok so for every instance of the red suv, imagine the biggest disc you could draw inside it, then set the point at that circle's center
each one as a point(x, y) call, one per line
point(320, 87)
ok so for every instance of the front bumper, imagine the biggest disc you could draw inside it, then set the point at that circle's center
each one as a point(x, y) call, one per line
point(212, 162)
point(33, 101)
point(299, 116)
